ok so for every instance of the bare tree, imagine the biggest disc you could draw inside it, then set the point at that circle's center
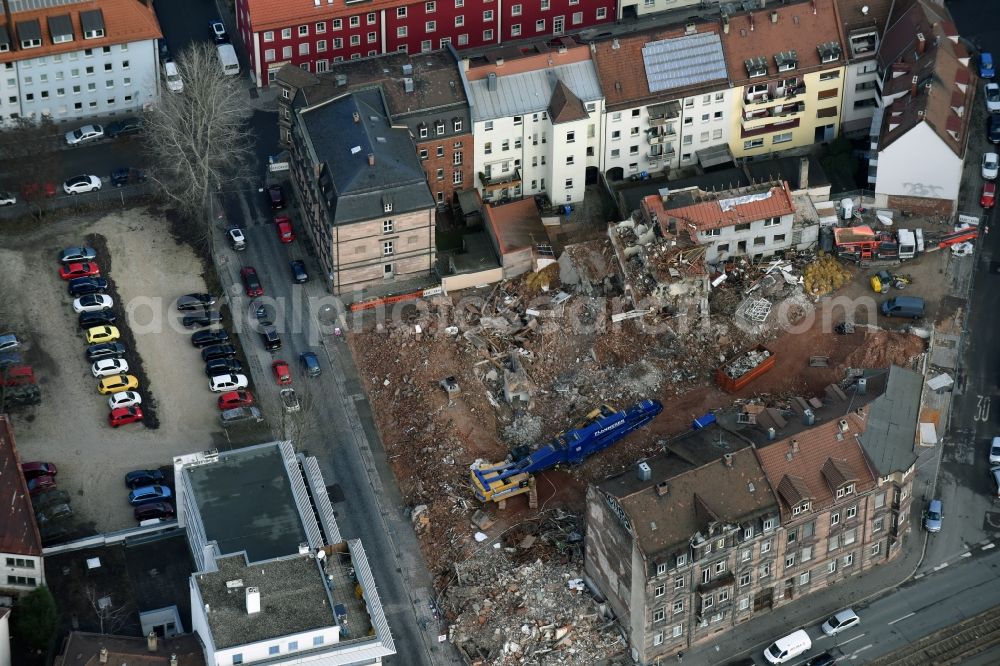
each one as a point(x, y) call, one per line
point(110, 618)
point(31, 160)
point(199, 138)
point(304, 423)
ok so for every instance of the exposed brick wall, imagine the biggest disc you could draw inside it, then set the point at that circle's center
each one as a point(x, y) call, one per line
point(450, 146)
point(922, 205)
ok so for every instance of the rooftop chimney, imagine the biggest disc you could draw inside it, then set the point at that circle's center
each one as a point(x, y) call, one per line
point(253, 600)
point(173, 660)
point(921, 43)
point(151, 641)
point(662, 488)
point(491, 82)
point(104, 650)
point(643, 471)
point(371, 159)
point(614, 43)
point(357, 117)
point(728, 459)
point(814, 7)
point(844, 427)
point(750, 18)
point(913, 86)
point(795, 446)
point(774, 17)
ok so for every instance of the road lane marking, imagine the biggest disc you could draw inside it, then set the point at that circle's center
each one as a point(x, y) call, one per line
point(982, 408)
point(989, 545)
point(853, 639)
point(966, 554)
point(940, 566)
point(900, 619)
point(854, 655)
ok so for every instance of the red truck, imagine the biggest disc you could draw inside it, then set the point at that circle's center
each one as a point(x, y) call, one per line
point(737, 372)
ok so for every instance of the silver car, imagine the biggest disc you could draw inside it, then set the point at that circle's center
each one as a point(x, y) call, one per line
point(238, 415)
point(840, 621)
point(84, 134)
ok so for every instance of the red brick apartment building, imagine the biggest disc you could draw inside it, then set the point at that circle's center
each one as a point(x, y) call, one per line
point(314, 34)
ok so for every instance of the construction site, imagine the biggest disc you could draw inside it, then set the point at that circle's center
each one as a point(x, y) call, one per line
point(482, 396)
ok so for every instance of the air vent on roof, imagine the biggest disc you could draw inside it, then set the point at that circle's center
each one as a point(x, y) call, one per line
point(690, 28)
point(662, 488)
point(407, 69)
point(234, 584)
point(829, 51)
point(786, 60)
point(614, 44)
point(491, 82)
point(756, 66)
point(643, 471)
point(341, 79)
point(408, 85)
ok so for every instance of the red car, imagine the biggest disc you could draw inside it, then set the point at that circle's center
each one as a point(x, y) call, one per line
point(283, 224)
point(282, 374)
point(31, 190)
point(989, 194)
point(235, 399)
point(79, 269)
point(33, 470)
point(19, 375)
point(124, 415)
point(251, 282)
point(40, 484)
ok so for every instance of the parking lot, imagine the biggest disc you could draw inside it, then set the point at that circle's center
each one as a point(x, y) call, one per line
point(149, 270)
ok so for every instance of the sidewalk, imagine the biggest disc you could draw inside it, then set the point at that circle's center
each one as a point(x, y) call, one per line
point(752, 637)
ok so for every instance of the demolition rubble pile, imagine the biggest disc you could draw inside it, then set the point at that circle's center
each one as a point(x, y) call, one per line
point(522, 600)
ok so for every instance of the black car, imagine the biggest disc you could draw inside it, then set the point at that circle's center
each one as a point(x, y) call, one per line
point(195, 301)
point(218, 351)
point(223, 366)
point(154, 510)
point(211, 336)
point(127, 176)
point(143, 477)
point(993, 130)
point(276, 197)
point(87, 285)
point(299, 271)
point(201, 319)
point(825, 659)
point(218, 32)
point(97, 318)
point(123, 127)
point(105, 350)
point(269, 336)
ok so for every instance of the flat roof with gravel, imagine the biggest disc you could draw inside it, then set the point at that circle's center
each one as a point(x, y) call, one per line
point(246, 504)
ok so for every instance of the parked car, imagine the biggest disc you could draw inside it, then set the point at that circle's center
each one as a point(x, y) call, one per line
point(117, 384)
point(195, 301)
point(56, 533)
point(173, 76)
point(992, 95)
point(89, 320)
point(92, 303)
point(218, 31)
point(154, 510)
point(217, 351)
point(18, 375)
point(993, 128)
point(986, 70)
point(995, 451)
point(282, 375)
point(233, 399)
point(35, 469)
point(251, 281)
point(310, 364)
point(226, 383)
point(149, 494)
point(8, 342)
point(840, 621)
point(933, 516)
point(276, 197)
point(824, 659)
point(53, 513)
point(124, 415)
point(989, 196)
point(41, 484)
point(109, 366)
point(86, 285)
point(81, 184)
point(33, 190)
point(102, 334)
point(78, 269)
point(105, 350)
point(269, 336)
point(222, 366)
point(123, 127)
point(10, 358)
point(70, 255)
point(299, 271)
point(50, 497)
point(200, 319)
point(283, 225)
point(239, 415)
point(209, 336)
point(127, 176)
point(290, 400)
point(124, 399)
point(144, 477)
point(991, 166)
point(84, 134)
point(237, 240)
point(7, 199)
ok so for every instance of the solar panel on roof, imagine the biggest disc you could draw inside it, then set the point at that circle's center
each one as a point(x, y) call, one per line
point(683, 61)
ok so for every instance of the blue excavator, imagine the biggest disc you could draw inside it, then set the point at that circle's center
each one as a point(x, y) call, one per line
point(602, 427)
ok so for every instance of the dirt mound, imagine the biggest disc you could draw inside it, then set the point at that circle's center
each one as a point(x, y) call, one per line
point(884, 348)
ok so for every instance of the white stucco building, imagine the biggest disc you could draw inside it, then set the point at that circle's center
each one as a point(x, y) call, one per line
point(74, 59)
point(863, 23)
point(536, 121)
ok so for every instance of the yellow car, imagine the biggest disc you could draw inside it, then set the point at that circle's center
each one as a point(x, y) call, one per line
point(102, 334)
point(117, 384)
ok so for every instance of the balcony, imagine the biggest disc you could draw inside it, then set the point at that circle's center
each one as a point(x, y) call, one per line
point(781, 126)
point(660, 114)
point(662, 135)
point(774, 92)
point(657, 152)
point(496, 181)
point(763, 117)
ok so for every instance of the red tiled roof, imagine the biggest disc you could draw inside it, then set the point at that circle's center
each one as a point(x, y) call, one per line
point(516, 225)
point(797, 29)
point(730, 208)
point(822, 458)
point(270, 14)
point(124, 21)
point(18, 530)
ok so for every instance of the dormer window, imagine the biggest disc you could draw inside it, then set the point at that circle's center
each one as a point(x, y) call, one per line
point(801, 508)
point(440, 128)
point(829, 51)
point(768, 524)
point(846, 490)
point(422, 130)
point(29, 34)
point(786, 61)
point(92, 22)
point(756, 66)
point(387, 206)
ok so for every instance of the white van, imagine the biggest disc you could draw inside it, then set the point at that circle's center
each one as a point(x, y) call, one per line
point(173, 77)
point(227, 56)
point(787, 648)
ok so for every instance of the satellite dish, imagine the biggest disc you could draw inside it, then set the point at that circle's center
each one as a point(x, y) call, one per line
point(887, 221)
point(864, 10)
